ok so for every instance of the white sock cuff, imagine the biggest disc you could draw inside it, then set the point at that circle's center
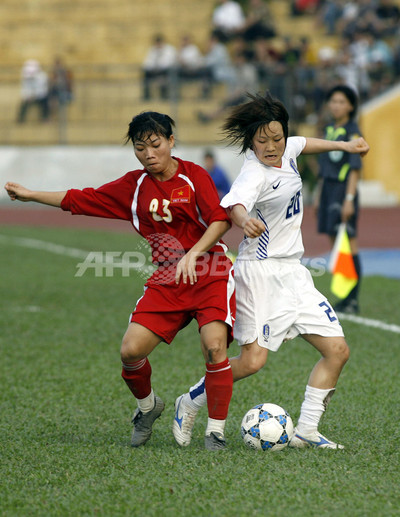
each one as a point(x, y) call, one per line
point(317, 393)
point(147, 404)
point(216, 426)
point(131, 367)
point(313, 407)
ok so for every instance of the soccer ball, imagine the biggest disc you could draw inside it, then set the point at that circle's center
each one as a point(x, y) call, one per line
point(267, 427)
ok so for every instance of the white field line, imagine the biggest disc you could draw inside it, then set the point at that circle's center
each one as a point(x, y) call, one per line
point(59, 249)
point(367, 322)
point(51, 247)
point(37, 244)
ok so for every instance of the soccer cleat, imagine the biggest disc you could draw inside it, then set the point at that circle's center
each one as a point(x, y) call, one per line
point(215, 441)
point(314, 439)
point(143, 423)
point(183, 422)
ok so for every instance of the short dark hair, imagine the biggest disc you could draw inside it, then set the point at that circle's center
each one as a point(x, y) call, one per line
point(246, 119)
point(148, 123)
point(349, 93)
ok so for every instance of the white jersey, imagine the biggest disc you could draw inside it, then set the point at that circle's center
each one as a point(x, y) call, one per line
point(272, 195)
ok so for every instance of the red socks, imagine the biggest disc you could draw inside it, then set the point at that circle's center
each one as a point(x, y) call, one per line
point(137, 377)
point(219, 383)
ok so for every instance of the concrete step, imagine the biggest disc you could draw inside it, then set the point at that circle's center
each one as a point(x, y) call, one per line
point(373, 194)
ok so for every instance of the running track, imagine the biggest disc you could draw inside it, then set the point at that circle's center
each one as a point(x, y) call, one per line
point(378, 227)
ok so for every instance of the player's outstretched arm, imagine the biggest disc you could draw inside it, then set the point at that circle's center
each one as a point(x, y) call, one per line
point(318, 145)
point(20, 193)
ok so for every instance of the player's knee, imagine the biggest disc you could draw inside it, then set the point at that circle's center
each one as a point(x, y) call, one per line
point(340, 351)
point(254, 363)
point(129, 352)
point(215, 352)
point(345, 353)
point(251, 361)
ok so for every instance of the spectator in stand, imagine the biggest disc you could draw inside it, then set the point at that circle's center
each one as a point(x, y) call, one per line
point(389, 13)
point(259, 22)
point(324, 77)
point(245, 81)
point(217, 65)
point(217, 173)
point(347, 72)
point(190, 61)
point(396, 57)
point(308, 58)
point(359, 17)
point(300, 7)
point(379, 65)
point(378, 50)
point(266, 59)
point(348, 19)
point(60, 86)
point(304, 78)
point(291, 52)
point(329, 13)
point(360, 49)
point(283, 83)
point(34, 90)
point(228, 19)
point(158, 65)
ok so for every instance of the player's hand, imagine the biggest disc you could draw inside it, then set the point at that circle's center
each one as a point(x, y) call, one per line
point(358, 145)
point(186, 268)
point(347, 210)
point(253, 227)
point(17, 191)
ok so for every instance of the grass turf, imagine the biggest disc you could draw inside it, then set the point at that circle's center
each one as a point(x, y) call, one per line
point(65, 411)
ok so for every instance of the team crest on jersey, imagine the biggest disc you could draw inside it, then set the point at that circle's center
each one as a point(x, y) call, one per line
point(181, 195)
point(294, 167)
point(266, 332)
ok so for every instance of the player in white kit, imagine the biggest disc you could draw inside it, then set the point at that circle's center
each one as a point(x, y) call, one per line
point(275, 294)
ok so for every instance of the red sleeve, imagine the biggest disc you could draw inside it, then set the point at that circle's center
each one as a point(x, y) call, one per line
point(112, 200)
point(207, 198)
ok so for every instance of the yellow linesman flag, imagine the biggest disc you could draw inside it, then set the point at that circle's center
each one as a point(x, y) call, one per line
point(341, 265)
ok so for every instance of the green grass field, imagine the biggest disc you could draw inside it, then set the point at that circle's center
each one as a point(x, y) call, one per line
point(65, 411)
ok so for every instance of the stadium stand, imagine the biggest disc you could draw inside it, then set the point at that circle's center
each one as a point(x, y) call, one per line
point(104, 45)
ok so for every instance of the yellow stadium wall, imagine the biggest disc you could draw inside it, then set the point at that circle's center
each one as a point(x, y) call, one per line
point(380, 124)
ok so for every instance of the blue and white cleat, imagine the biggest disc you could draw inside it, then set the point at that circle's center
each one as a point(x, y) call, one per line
point(183, 422)
point(314, 439)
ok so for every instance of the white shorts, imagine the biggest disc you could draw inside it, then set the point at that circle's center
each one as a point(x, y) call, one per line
point(276, 300)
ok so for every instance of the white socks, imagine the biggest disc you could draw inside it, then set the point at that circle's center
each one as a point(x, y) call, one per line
point(147, 404)
point(314, 404)
point(215, 426)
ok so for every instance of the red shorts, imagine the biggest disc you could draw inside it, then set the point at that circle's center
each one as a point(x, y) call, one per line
point(165, 309)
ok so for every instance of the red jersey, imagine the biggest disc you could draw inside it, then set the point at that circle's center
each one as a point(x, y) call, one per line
point(177, 211)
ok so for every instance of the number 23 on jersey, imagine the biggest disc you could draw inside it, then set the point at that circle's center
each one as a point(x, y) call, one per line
point(153, 209)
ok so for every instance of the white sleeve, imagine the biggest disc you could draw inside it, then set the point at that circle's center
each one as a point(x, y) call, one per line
point(246, 188)
point(296, 144)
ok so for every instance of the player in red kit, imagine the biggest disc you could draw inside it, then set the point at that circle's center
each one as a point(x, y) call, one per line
point(175, 206)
